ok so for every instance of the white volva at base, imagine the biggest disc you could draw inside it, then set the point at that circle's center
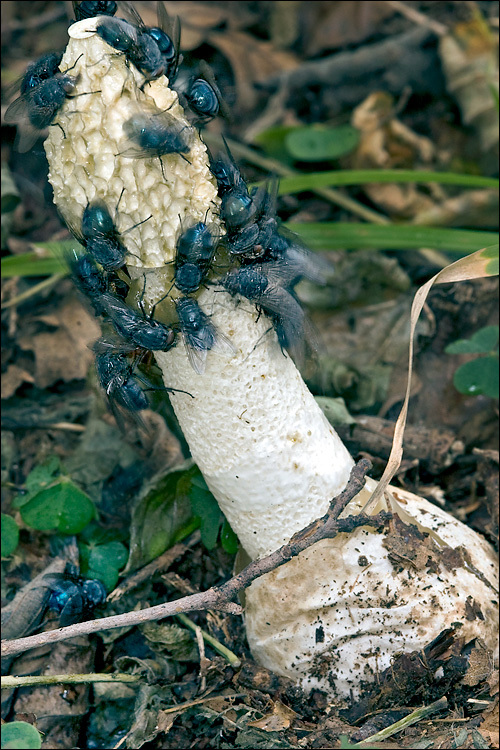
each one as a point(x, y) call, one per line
point(338, 613)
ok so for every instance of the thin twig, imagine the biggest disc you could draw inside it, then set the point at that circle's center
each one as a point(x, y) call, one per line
point(161, 564)
point(412, 718)
point(414, 15)
point(199, 701)
point(28, 680)
point(220, 597)
point(203, 659)
point(45, 284)
point(66, 426)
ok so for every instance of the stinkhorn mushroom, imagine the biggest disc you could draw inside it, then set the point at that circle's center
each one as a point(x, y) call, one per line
point(336, 614)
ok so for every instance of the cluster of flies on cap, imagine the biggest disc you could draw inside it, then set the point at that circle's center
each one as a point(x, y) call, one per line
point(265, 261)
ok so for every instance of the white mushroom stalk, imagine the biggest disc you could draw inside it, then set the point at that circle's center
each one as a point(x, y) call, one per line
point(337, 613)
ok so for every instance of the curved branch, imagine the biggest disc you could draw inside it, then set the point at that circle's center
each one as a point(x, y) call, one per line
point(220, 597)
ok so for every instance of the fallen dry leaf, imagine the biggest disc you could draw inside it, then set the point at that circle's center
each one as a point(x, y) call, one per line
point(197, 19)
point(387, 143)
point(493, 683)
point(63, 354)
point(12, 378)
point(481, 664)
point(470, 62)
point(252, 60)
point(336, 24)
point(166, 720)
point(489, 727)
point(280, 719)
point(474, 208)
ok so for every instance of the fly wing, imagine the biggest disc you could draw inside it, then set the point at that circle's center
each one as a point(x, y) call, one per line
point(223, 345)
point(73, 611)
point(286, 311)
point(279, 273)
point(132, 16)
point(168, 135)
point(125, 417)
point(18, 113)
point(105, 345)
point(172, 27)
point(197, 357)
point(307, 264)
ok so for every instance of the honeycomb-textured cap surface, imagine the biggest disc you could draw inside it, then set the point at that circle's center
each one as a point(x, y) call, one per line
point(84, 150)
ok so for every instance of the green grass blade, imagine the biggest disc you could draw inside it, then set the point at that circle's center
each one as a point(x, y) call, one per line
point(30, 264)
point(345, 236)
point(314, 180)
point(317, 236)
point(50, 262)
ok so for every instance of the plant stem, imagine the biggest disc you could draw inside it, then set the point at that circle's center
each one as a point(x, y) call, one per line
point(46, 284)
point(9, 682)
point(233, 660)
point(412, 718)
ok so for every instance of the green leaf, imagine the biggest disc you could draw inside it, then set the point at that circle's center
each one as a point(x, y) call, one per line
point(161, 516)
point(19, 735)
point(334, 410)
point(205, 507)
point(103, 561)
point(482, 342)
point(208, 514)
point(490, 254)
point(313, 180)
point(43, 475)
point(62, 507)
point(479, 377)
point(39, 478)
point(228, 539)
point(316, 143)
point(272, 141)
point(345, 236)
point(10, 535)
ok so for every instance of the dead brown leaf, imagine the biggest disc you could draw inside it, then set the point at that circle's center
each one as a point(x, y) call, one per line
point(481, 664)
point(63, 354)
point(252, 60)
point(493, 683)
point(470, 62)
point(475, 208)
point(13, 378)
point(336, 24)
point(410, 548)
point(160, 447)
point(166, 720)
point(279, 719)
point(387, 143)
point(197, 19)
point(437, 448)
point(489, 728)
